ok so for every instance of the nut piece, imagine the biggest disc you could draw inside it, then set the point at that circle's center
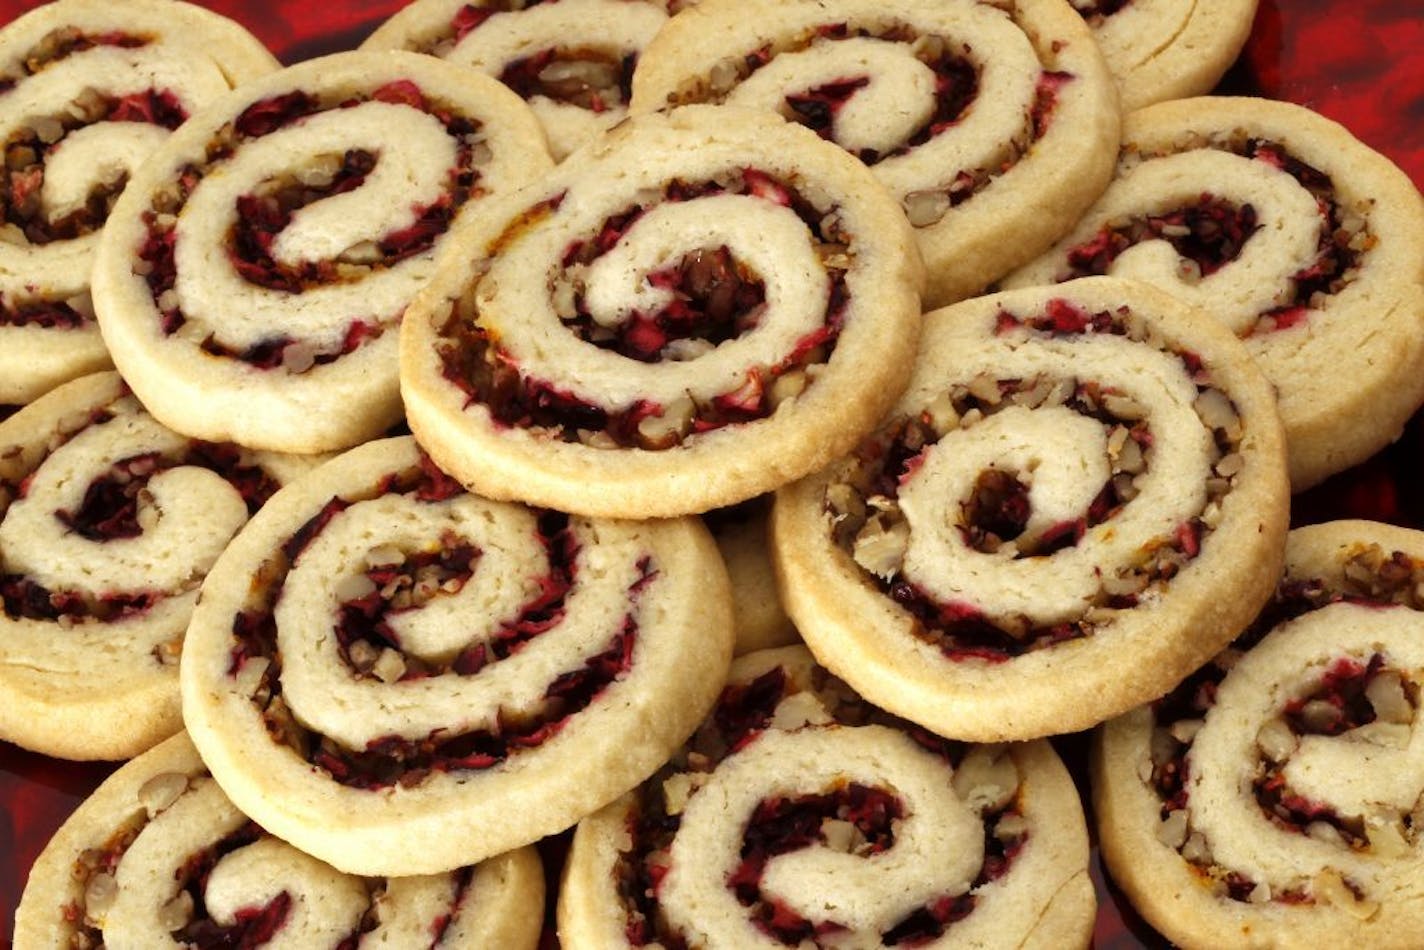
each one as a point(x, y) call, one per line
point(987, 779)
point(161, 791)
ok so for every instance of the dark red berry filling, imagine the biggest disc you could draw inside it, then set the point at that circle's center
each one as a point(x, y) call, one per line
point(1096, 11)
point(1210, 234)
point(50, 314)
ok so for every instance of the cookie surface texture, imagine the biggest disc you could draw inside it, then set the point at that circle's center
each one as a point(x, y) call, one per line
point(158, 856)
point(251, 283)
point(704, 306)
point(1270, 799)
point(1167, 49)
point(981, 119)
point(91, 89)
point(577, 87)
point(399, 677)
point(1302, 240)
point(1080, 498)
point(798, 810)
point(108, 523)
point(741, 533)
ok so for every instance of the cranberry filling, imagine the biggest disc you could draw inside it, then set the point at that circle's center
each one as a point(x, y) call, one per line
point(586, 78)
point(470, 17)
point(744, 709)
point(252, 926)
point(268, 115)
point(997, 511)
point(1095, 11)
point(1210, 234)
point(66, 41)
point(50, 314)
point(1343, 690)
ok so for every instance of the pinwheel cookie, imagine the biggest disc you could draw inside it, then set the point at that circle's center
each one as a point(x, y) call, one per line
point(703, 306)
point(1167, 49)
point(1274, 797)
point(400, 678)
point(251, 281)
point(1298, 237)
point(90, 88)
point(1079, 500)
point(158, 856)
point(800, 813)
point(981, 119)
point(741, 535)
point(572, 61)
point(108, 522)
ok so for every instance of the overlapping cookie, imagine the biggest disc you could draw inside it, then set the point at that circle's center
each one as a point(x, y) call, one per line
point(251, 281)
point(800, 813)
point(1167, 49)
point(108, 523)
point(1079, 500)
point(158, 856)
point(572, 61)
point(90, 89)
point(1273, 798)
point(703, 306)
point(741, 535)
point(399, 677)
point(982, 119)
point(1301, 239)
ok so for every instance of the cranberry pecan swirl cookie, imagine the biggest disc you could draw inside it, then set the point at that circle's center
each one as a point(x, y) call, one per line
point(1167, 49)
point(1079, 500)
point(108, 523)
point(571, 60)
point(159, 857)
point(87, 90)
point(1275, 796)
point(1302, 240)
point(701, 307)
point(251, 282)
point(399, 677)
point(800, 815)
point(982, 119)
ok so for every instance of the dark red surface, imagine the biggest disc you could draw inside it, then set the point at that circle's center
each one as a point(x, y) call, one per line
point(1356, 61)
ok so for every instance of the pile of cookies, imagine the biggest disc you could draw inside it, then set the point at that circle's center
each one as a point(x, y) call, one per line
point(476, 396)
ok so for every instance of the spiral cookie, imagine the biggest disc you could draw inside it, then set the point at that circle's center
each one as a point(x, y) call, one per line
point(572, 61)
point(399, 678)
point(703, 306)
point(1274, 797)
point(800, 813)
point(87, 90)
point(251, 282)
point(741, 535)
point(981, 119)
point(1167, 49)
point(1079, 500)
point(158, 856)
point(108, 522)
point(1306, 243)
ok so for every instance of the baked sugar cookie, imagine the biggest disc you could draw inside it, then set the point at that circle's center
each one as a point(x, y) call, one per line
point(572, 61)
point(741, 535)
point(251, 283)
point(798, 814)
point(90, 89)
point(158, 856)
point(1273, 799)
point(982, 119)
point(703, 306)
point(108, 522)
point(1167, 49)
point(1302, 240)
point(399, 678)
point(1079, 500)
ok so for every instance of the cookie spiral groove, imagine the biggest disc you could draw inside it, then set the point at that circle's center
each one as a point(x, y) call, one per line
point(159, 857)
point(89, 90)
point(1063, 484)
point(253, 281)
point(398, 676)
point(108, 523)
point(798, 811)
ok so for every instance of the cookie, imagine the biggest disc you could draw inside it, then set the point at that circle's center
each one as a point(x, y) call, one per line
point(798, 811)
point(572, 61)
point(983, 120)
point(90, 89)
point(741, 536)
point(399, 678)
point(1301, 239)
point(1079, 500)
point(251, 282)
point(158, 856)
point(703, 306)
point(1273, 797)
point(1167, 49)
point(108, 522)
